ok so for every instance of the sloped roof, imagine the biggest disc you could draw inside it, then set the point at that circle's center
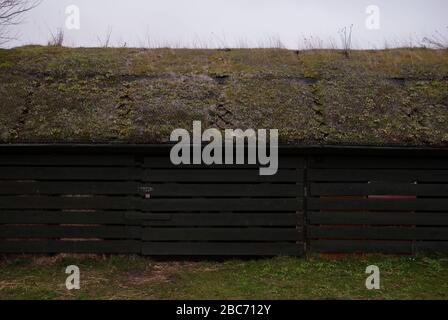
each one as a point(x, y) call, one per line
point(389, 97)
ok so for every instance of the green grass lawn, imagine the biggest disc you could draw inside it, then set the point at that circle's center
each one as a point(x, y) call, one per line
point(135, 277)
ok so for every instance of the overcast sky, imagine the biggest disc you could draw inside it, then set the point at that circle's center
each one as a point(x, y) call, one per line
point(218, 23)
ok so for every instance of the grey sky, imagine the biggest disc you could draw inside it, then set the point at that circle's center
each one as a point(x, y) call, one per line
point(217, 23)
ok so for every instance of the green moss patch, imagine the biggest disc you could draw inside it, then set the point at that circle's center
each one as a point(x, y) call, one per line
point(388, 97)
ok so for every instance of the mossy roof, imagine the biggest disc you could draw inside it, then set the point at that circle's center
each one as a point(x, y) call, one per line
point(388, 97)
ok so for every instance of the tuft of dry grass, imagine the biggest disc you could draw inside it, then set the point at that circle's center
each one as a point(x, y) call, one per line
point(57, 39)
point(106, 41)
point(437, 40)
point(346, 40)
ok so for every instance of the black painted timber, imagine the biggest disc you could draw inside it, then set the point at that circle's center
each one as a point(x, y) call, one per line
point(390, 203)
point(130, 199)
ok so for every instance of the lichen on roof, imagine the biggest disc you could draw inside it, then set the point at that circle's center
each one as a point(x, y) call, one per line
point(384, 97)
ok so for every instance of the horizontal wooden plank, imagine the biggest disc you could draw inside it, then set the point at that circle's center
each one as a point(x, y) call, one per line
point(377, 233)
point(59, 246)
point(217, 175)
point(221, 249)
point(352, 246)
point(82, 231)
point(156, 190)
point(223, 219)
point(380, 246)
point(150, 234)
point(360, 162)
point(66, 160)
point(222, 234)
point(70, 187)
point(380, 218)
point(225, 190)
point(379, 188)
point(130, 203)
point(151, 219)
point(378, 204)
point(69, 173)
point(165, 162)
point(377, 175)
point(234, 204)
point(431, 246)
point(44, 202)
point(72, 217)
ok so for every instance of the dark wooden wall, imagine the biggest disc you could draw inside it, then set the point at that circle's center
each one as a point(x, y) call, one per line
point(133, 200)
point(141, 203)
point(387, 204)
